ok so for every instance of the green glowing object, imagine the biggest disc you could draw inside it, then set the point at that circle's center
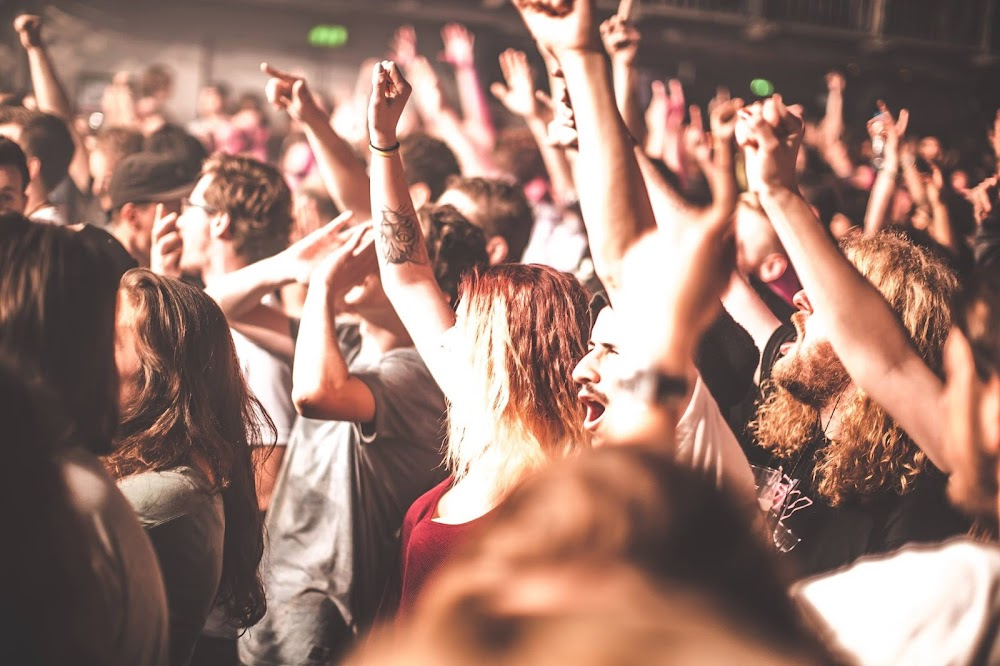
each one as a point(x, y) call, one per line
point(762, 87)
point(328, 36)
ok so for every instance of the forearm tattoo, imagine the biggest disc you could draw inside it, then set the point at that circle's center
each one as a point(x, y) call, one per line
point(400, 240)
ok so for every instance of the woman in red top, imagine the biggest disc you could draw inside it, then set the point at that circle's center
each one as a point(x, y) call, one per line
point(503, 358)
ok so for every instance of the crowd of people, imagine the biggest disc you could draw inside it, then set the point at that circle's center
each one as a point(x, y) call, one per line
point(418, 383)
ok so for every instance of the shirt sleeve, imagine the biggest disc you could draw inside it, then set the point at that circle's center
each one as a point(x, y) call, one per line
point(407, 399)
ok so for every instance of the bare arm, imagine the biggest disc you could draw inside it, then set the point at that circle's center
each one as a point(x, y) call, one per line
point(267, 464)
point(404, 265)
point(342, 173)
point(888, 130)
point(322, 384)
point(50, 94)
point(864, 331)
point(613, 198)
point(520, 98)
point(621, 41)
point(459, 52)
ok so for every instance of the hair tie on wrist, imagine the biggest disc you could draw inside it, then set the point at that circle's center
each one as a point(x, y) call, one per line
point(384, 152)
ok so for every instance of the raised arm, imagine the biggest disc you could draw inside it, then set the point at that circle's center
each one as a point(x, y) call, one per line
point(322, 384)
point(521, 98)
point(239, 292)
point(459, 52)
point(342, 173)
point(407, 276)
point(613, 198)
point(50, 94)
point(621, 41)
point(887, 131)
point(862, 328)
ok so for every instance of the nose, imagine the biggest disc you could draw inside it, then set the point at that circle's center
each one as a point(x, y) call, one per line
point(801, 301)
point(585, 371)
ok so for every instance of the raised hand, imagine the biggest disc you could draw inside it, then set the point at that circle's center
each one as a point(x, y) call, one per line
point(886, 133)
point(288, 92)
point(458, 46)
point(621, 40)
point(562, 128)
point(29, 29)
point(390, 91)
point(300, 259)
point(426, 86)
point(561, 25)
point(350, 263)
point(835, 82)
point(518, 95)
point(403, 47)
point(770, 135)
point(168, 246)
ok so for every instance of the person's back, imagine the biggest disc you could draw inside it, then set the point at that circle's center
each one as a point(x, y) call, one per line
point(133, 602)
point(185, 522)
point(65, 343)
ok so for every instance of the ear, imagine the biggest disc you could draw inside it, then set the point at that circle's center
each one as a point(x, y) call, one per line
point(989, 414)
point(421, 195)
point(129, 216)
point(34, 168)
point(220, 226)
point(773, 267)
point(497, 250)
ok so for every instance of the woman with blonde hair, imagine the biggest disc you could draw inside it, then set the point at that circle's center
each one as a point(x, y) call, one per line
point(503, 357)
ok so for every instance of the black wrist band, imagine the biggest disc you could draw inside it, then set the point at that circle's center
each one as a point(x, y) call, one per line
point(384, 151)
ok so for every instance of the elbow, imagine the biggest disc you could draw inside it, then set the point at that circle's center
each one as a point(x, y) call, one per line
point(308, 401)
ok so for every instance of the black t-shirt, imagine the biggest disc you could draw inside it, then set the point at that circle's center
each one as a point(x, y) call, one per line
point(832, 537)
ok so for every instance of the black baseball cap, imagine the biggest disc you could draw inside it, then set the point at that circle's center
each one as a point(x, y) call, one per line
point(149, 177)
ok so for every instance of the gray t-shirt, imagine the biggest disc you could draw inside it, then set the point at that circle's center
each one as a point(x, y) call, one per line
point(337, 508)
point(186, 523)
point(133, 604)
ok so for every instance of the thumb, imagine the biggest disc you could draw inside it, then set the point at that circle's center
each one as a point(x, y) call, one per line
point(544, 98)
point(299, 90)
point(499, 90)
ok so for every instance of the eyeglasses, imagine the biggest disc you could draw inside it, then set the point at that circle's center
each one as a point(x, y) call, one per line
point(187, 204)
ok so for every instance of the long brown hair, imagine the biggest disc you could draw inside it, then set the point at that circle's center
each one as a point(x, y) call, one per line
point(57, 317)
point(871, 455)
point(191, 406)
point(524, 328)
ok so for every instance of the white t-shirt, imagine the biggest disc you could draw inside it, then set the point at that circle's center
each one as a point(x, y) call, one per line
point(925, 604)
point(705, 443)
point(270, 379)
point(50, 214)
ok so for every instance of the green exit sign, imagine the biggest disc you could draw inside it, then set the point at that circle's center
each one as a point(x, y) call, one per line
point(328, 36)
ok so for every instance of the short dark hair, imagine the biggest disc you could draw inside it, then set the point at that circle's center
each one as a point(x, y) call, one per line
point(57, 316)
point(517, 154)
point(428, 160)
point(174, 141)
point(11, 155)
point(258, 202)
point(155, 79)
point(118, 142)
point(454, 245)
point(44, 137)
point(502, 210)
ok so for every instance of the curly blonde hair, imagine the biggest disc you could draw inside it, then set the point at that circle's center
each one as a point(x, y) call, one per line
point(871, 455)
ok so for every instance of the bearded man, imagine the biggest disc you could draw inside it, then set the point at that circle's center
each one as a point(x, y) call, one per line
point(854, 482)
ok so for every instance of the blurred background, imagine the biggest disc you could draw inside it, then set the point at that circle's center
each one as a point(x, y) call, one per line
point(936, 56)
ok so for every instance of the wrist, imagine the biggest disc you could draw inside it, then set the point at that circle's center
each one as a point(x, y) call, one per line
point(383, 140)
point(312, 116)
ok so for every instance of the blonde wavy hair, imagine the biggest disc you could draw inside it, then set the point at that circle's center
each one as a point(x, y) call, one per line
point(871, 455)
point(524, 328)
